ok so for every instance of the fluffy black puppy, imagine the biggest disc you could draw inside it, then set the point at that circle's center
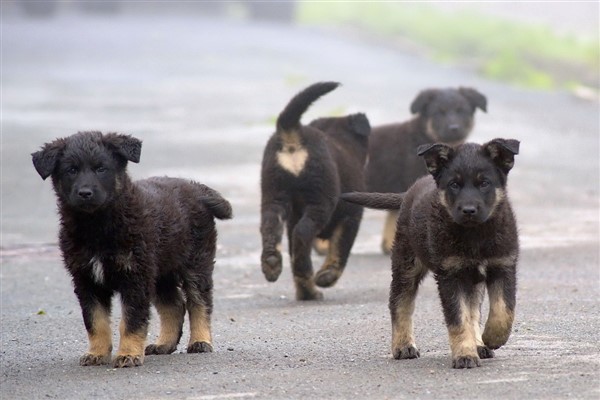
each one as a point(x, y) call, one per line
point(304, 170)
point(151, 240)
point(442, 116)
point(459, 224)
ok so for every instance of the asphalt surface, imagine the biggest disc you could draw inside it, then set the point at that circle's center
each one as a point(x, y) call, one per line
point(203, 94)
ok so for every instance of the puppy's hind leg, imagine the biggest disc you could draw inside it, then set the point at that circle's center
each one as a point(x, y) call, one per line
point(171, 309)
point(198, 288)
point(339, 249)
point(301, 241)
point(273, 216)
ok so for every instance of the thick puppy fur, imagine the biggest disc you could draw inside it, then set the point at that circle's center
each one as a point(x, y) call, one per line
point(304, 170)
point(151, 240)
point(442, 116)
point(457, 223)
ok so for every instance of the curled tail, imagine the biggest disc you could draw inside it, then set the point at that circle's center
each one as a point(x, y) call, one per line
point(291, 114)
point(218, 207)
point(380, 201)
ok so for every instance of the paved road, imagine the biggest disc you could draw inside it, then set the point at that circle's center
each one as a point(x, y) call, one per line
point(203, 95)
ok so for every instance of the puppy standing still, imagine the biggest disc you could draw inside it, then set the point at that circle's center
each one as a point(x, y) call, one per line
point(151, 240)
point(459, 224)
point(442, 116)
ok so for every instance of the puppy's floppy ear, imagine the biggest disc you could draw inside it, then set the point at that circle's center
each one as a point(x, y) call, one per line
point(420, 102)
point(502, 152)
point(476, 99)
point(125, 145)
point(360, 124)
point(45, 160)
point(436, 156)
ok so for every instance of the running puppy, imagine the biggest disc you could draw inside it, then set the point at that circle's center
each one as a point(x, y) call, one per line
point(442, 116)
point(457, 223)
point(304, 170)
point(151, 240)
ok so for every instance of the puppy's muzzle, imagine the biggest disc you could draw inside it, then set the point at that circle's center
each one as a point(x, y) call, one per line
point(469, 214)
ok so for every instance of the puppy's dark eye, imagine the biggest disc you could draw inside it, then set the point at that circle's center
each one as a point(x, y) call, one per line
point(454, 186)
point(100, 170)
point(484, 184)
point(72, 171)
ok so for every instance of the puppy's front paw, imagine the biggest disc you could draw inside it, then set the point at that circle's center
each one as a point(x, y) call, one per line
point(200, 347)
point(271, 266)
point(125, 361)
point(94, 359)
point(494, 338)
point(406, 352)
point(465, 362)
point(159, 349)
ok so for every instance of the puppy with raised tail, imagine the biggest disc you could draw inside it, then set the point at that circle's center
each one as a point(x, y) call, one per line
point(305, 168)
point(457, 223)
point(152, 241)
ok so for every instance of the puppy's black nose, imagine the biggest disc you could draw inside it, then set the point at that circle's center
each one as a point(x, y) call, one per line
point(469, 210)
point(454, 128)
point(85, 194)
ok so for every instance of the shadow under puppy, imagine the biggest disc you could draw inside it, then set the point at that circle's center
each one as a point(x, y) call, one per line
point(150, 240)
point(459, 224)
point(304, 170)
point(442, 116)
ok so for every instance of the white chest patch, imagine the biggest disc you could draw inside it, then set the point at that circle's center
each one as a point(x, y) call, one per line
point(97, 270)
point(292, 161)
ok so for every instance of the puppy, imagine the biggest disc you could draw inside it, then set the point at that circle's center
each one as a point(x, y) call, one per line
point(442, 116)
point(151, 240)
point(457, 223)
point(304, 170)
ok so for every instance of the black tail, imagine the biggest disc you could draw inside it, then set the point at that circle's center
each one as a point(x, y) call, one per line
point(380, 201)
point(218, 206)
point(291, 114)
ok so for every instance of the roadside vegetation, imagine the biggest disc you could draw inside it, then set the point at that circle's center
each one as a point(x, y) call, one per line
point(527, 55)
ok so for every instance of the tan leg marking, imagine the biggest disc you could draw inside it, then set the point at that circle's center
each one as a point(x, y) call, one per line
point(100, 339)
point(331, 270)
point(389, 232)
point(199, 325)
point(462, 337)
point(475, 309)
point(333, 255)
point(131, 343)
point(500, 319)
point(402, 326)
point(171, 321)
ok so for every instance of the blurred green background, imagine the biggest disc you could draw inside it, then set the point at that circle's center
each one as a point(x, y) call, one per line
point(540, 53)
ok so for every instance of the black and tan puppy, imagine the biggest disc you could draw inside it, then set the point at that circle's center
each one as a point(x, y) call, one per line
point(304, 170)
point(151, 240)
point(442, 116)
point(457, 223)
